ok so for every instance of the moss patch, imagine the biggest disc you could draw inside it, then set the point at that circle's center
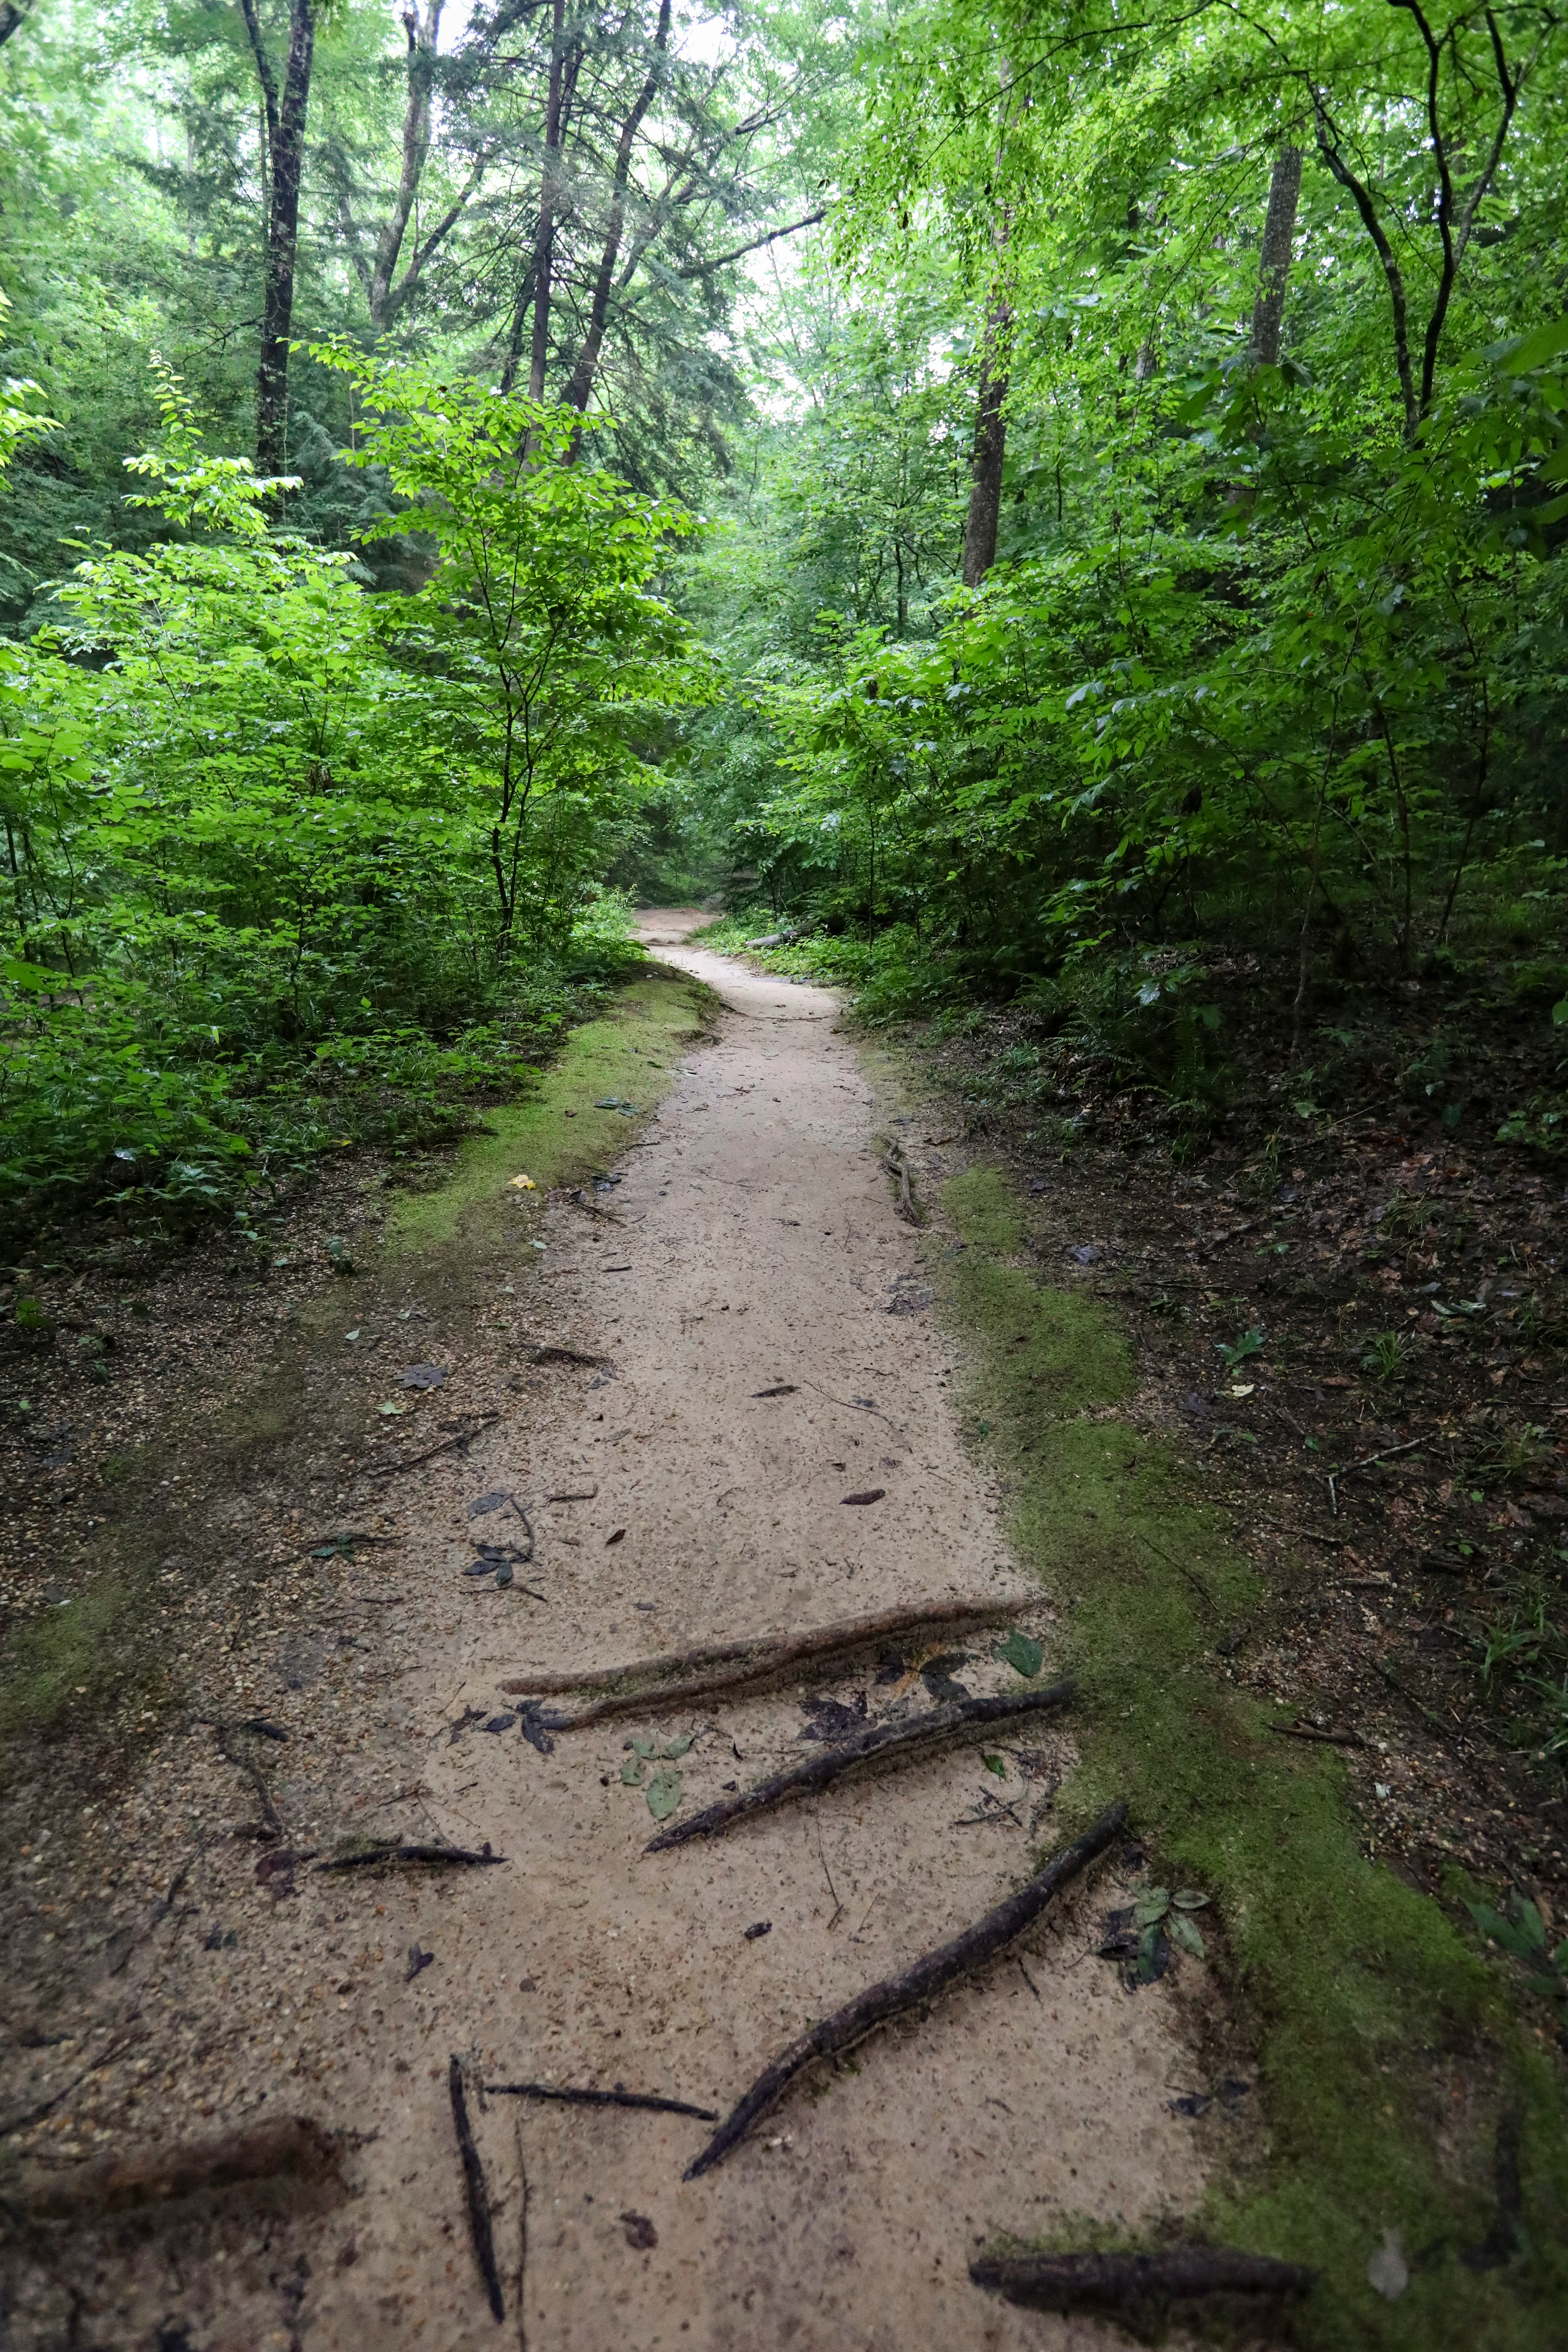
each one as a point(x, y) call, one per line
point(559, 1132)
point(77, 1659)
point(1369, 1997)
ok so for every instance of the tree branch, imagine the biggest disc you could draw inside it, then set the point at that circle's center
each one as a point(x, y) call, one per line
point(264, 73)
point(721, 260)
point(1391, 269)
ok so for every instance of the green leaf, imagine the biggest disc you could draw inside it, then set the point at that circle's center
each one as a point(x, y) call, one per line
point(663, 1793)
point(673, 1747)
point(1520, 354)
point(646, 1749)
point(1524, 1935)
point(1023, 1655)
point(1148, 1948)
point(1187, 1898)
point(1182, 1932)
point(994, 1764)
point(1152, 1908)
point(631, 1772)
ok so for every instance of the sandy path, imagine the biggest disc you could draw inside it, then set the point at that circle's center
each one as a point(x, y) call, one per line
point(756, 1246)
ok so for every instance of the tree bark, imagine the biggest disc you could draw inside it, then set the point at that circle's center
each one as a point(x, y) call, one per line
point(12, 13)
point(544, 240)
point(990, 450)
point(422, 34)
point(1274, 271)
point(582, 379)
point(286, 142)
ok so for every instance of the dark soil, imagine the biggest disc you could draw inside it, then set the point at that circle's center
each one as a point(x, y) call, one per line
point(1391, 1435)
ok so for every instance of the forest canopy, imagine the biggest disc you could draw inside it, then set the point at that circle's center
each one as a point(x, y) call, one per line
point(1036, 501)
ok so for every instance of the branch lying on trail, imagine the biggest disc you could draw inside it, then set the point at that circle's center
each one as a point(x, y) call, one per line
point(1311, 1731)
point(393, 1851)
point(579, 1200)
point(293, 2145)
point(1129, 2282)
point(619, 2098)
point(723, 1665)
point(477, 1422)
point(1410, 1445)
point(478, 2194)
point(879, 1739)
point(252, 1772)
point(929, 1975)
point(45, 2105)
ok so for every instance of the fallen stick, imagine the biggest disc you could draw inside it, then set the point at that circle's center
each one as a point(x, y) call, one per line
point(931, 1975)
point(395, 1850)
point(751, 1661)
point(482, 1421)
point(45, 2105)
point(879, 1738)
point(478, 2194)
point(619, 2098)
point(1367, 1460)
point(253, 1773)
point(1126, 2282)
point(293, 2146)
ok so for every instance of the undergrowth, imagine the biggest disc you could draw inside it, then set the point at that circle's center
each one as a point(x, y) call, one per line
point(1363, 1989)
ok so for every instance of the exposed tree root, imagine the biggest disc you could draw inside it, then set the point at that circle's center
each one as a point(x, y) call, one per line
point(929, 1975)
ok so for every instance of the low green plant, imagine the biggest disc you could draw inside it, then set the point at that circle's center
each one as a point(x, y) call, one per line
point(1389, 1355)
point(1235, 1352)
point(292, 865)
point(1525, 1658)
point(1520, 1930)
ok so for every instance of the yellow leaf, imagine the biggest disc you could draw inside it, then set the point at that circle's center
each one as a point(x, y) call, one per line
point(523, 1184)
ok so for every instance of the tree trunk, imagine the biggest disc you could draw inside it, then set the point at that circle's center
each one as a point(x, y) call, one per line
point(1279, 236)
point(422, 39)
point(581, 379)
point(520, 310)
point(990, 423)
point(12, 14)
point(990, 451)
point(286, 141)
point(545, 240)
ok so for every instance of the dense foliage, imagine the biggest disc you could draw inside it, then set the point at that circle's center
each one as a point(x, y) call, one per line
point(1136, 449)
point(289, 863)
point(1248, 327)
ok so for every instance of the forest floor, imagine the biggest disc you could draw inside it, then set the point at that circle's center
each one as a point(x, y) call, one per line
point(263, 1627)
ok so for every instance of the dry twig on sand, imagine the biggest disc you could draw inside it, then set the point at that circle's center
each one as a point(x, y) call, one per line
point(478, 2195)
point(727, 1665)
point(896, 1740)
point(393, 1851)
point(619, 2098)
point(929, 1975)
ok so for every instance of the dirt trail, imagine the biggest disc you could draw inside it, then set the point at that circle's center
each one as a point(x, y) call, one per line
point(751, 1245)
